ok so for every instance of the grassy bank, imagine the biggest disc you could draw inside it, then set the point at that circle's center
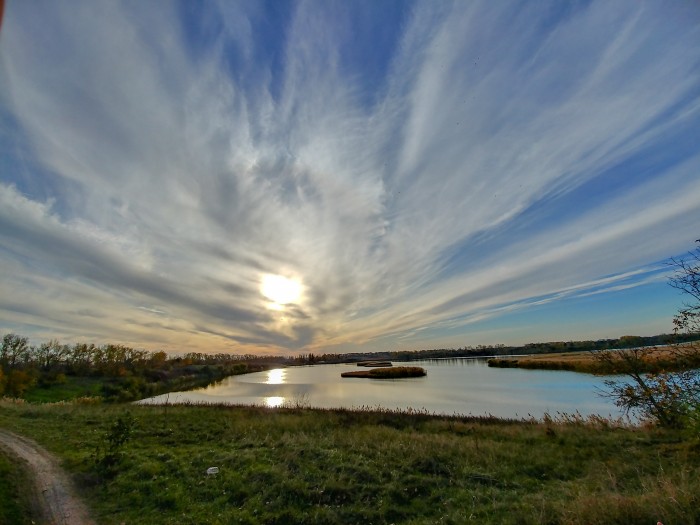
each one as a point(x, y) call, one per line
point(131, 387)
point(338, 467)
point(654, 360)
point(571, 361)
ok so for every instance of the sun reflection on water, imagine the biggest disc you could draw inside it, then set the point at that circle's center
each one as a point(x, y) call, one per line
point(276, 377)
point(274, 401)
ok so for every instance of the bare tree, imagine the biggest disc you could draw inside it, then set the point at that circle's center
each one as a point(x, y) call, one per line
point(664, 389)
point(687, 280)
point(14, 351)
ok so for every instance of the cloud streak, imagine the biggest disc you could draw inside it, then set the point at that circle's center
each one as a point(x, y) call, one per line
point(159, 161)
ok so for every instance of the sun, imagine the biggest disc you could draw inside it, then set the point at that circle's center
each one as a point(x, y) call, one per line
point(280, 290)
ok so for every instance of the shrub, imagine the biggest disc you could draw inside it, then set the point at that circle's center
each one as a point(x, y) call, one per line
point(108, 452)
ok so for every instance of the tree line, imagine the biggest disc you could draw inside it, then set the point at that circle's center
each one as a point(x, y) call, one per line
point(624, 342)
point(125, 373)
point(668, 397)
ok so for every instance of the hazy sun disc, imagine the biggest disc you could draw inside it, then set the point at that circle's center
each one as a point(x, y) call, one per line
point(279, 289)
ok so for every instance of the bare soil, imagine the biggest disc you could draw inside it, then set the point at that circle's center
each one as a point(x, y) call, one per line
point(55, 498)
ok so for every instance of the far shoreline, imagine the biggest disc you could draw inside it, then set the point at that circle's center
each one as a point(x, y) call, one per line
point(656, 359)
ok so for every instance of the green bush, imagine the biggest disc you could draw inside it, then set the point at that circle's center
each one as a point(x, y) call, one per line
point(109, 451)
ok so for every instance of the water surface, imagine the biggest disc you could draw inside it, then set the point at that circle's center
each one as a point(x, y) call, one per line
point(464, 386)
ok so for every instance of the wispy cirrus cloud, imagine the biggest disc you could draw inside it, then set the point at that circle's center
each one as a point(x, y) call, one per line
point(466, 161)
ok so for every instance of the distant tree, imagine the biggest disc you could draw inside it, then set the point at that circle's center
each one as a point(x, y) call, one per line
point(18, 382)
point(51, 354)
point(671, 398)
point(630, 341)
point(14, 351)
point(81, 358)
point(158, 359)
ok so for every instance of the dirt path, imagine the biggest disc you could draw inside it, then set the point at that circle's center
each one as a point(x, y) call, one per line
point(55, 495)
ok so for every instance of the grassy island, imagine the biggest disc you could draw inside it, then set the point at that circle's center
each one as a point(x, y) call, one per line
point(394, 372)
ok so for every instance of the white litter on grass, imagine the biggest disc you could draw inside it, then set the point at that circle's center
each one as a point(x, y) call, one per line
point(212, 470)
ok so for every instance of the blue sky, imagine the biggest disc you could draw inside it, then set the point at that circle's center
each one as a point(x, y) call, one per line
point(320, 176)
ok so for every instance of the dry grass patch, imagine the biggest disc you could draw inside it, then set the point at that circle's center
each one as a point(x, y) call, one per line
point(656, 359)
point(394, 372)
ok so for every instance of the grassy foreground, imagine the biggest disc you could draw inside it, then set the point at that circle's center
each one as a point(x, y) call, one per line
point(285, 466)
point(15, 488)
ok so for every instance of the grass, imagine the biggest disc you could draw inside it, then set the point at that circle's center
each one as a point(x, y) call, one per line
point(130, 387)
point(394, 372)
point(338, 466)
point(72, 388)
point(656, 359)
point(15, 487)
point(572, 361)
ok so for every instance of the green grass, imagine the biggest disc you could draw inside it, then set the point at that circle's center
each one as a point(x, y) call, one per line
point(131, 386)
point(15, 488)
point(336, 467)
point(74, 387)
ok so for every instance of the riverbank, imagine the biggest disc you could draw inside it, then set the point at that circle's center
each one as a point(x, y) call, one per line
point(338, 466)
point(653, 360)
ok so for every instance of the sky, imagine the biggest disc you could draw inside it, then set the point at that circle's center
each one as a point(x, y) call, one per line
point(345, 176)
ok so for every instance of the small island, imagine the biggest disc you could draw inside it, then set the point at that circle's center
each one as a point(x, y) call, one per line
point(375, 364)
point(394, 372)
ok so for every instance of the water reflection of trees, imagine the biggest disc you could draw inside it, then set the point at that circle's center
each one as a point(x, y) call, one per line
point(457, 361)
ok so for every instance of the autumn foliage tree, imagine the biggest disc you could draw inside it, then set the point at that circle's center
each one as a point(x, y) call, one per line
point(15, 357)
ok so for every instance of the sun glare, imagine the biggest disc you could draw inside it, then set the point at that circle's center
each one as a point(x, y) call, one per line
point(274, 401)
point(276, 376)
point(280, 290)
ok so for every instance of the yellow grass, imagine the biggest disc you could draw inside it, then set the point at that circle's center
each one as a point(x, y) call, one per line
point(666, 357)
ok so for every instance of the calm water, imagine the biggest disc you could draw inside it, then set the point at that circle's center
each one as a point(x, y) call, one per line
point(452, 386)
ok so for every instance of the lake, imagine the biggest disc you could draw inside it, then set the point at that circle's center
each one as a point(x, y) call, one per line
point(464, 386)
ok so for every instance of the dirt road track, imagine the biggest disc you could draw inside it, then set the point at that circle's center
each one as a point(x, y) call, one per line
point(54, 493)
